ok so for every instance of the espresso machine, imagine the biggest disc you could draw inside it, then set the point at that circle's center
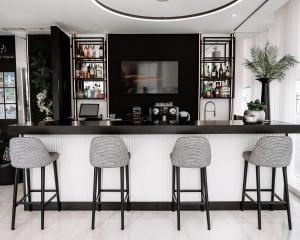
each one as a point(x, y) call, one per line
point(164, 112)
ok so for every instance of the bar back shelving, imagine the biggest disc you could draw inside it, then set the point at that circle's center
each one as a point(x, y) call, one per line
point(217, 69)
point(89, 69)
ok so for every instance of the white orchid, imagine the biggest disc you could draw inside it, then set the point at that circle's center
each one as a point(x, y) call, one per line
point(44, 104)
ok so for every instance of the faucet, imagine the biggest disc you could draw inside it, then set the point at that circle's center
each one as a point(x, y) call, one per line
point(205, 109)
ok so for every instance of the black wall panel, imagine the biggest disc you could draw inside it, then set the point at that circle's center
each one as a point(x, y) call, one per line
point(183, 48)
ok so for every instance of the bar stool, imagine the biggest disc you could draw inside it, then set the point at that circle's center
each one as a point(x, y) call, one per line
point(273, 152)
point(190, 152)
point(27, 153)
point(109, 152)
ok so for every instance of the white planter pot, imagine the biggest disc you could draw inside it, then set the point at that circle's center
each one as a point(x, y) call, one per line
point(260, 115)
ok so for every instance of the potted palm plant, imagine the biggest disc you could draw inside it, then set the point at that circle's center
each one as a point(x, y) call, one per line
point(267, 66)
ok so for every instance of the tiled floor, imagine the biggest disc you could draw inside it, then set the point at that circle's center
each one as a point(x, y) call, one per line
point(73, 225)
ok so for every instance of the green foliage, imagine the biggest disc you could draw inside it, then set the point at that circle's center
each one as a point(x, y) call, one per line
point(39, 52)
point(41, 73)
point(264, 62)
point(256, 105)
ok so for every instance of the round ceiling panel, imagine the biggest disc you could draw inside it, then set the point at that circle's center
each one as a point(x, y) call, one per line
point(163, 10)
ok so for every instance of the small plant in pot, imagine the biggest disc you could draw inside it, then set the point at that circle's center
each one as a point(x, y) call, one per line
point(257, 109)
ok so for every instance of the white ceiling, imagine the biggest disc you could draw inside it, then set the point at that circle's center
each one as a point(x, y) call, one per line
point(83, 16)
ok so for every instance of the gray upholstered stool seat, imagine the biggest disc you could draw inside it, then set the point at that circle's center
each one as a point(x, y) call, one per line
point(109, 152)
point(27, 153)
point(190, 152)
point(273, 152)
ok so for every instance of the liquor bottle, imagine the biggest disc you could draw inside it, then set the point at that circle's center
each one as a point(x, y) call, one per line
point(84, 70)
point(217, 89)
point(88, 71)
point(101, 53)
point(85, 51)
point(221, 72)
point(214, 72)
point(99, 71)
point(204, 93)
point(92, 72)
point(90, 51)
point(207, 72)
point(94, 51)
point(77, 70)
point(78, 50)
point(208, 93)
point(227, 72)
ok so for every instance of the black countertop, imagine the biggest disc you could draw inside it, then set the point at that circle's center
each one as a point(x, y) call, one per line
point(127, 127)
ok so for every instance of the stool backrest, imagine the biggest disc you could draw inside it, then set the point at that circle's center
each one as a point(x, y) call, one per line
point(272, 151)
point(108, 152)
point(28, 152)
point(191, 152)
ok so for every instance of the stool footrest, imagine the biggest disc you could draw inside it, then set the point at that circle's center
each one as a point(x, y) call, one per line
point(38, 190)
point(21, 201)
point(50, 199)
point(112, 190)
point(279, 202)
point(263, 190)
point(189, 190)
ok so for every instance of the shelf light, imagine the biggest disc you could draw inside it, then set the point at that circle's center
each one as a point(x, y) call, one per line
point(165, 19)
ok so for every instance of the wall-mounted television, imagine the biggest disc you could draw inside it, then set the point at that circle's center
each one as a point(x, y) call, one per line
point(149, 77)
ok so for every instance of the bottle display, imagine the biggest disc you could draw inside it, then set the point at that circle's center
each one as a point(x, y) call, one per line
point(89, 68)
point(216, 82)
point(91, 89)
point(89, 50)
point(86, 70)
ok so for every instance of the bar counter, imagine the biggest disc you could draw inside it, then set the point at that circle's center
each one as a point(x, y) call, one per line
point(150, 165)
point(127, 127)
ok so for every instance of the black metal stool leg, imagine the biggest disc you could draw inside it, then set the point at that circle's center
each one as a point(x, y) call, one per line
point(178, 196)
point(15, 195)
point(173, 188)
point(56, 186)
point(24, 187)
point(42, 196)
point(286, 192)
point(94, 198)
point(127, 187)
point(258, 196)
point(244, 185)
point(99, 188)
point(202, 190)
point(122, 196)
point(273, 187)
point(29, 189)
point(206, 197)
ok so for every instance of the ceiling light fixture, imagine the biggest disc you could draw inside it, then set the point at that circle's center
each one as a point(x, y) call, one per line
point(164, 19)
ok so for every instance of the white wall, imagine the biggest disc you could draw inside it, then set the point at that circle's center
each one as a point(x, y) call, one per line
point(21, 62)
point(283, 33)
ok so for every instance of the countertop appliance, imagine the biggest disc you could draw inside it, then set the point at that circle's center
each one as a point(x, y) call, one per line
point(164, 112)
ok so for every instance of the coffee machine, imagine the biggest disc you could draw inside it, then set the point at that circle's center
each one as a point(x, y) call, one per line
point(164, 112)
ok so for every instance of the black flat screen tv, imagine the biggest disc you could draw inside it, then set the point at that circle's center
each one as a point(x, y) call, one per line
point(149, 77)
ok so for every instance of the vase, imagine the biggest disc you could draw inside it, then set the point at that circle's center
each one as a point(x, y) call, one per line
point(265, 95)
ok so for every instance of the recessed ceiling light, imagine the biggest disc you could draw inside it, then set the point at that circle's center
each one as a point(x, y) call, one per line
point(165, 19)
point(234, 15)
